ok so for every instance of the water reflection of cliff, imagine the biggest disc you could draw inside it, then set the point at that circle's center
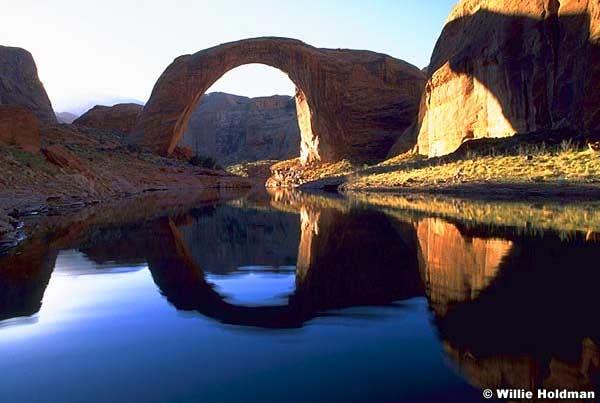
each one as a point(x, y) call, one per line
point(533, 325)
point(512, 309)
point(456, 266)
point(225, 237)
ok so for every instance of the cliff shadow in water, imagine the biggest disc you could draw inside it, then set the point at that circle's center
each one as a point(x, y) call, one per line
point(24, 276)
point(534, 325)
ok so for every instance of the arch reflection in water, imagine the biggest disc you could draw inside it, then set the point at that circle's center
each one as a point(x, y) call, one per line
point(339, 265)
point(511, 308)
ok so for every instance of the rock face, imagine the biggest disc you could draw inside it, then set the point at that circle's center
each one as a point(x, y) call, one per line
point(232, 129)
point(122, 117)
point(60, 156)
point(507, 66)
point(20, 85)
point(20, 128)
point(351, 104)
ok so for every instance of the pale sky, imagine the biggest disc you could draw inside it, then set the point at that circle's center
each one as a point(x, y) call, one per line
point(93, 51)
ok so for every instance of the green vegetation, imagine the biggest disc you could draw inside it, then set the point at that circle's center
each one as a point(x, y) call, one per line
point(252, 169)
point(18, 158)
point(528, 165)
point(204, 162)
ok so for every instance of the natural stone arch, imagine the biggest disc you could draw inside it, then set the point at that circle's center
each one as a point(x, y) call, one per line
point(351, 104)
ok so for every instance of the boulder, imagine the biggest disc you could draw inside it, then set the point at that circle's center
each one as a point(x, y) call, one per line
point(351, 104)
point(19, 128)
point(502, 67)
point(122, 117)
point(60, 156)
point(20, 85)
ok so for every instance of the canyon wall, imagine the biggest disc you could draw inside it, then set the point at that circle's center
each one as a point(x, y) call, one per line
point(20, 85)
point(232, 129)
point(502, 67)
point(19, 128)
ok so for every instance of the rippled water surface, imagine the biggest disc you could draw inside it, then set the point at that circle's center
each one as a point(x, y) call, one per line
point(293, 297)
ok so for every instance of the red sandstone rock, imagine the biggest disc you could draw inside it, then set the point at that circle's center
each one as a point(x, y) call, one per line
point(63, 158)
point(20, 85)
point(507, 66)
point(20, 128)
point(122, 117)
point(352, 104)
point(183, 153)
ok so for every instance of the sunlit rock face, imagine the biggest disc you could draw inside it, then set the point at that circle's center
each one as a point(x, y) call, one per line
point(456, 267)
point(357, 102)
point(19, 128)
point(231, 128)
point(20, 85)
point(121, 117)
point(507, 66)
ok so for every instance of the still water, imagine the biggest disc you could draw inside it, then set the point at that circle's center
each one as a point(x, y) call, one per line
point(295, 298)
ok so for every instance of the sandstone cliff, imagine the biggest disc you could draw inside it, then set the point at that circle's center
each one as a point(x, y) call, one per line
point(232, 129)
point(122, 117)
point(20, 85)
point(507, 66)
point(19, 128)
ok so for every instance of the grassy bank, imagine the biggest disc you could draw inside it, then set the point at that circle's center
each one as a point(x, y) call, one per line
point(533, 167)
point(564, 170)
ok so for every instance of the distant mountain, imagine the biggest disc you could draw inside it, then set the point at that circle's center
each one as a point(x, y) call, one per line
point(232, 128)
point(80, 106)
point(121, 117)
point(66, 117)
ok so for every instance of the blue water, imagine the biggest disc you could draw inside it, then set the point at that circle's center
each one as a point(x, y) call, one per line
point(228, 303)
point(111, 337)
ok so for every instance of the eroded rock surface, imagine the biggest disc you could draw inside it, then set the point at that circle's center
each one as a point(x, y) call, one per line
point(232, 129)
point(19, 128)
point(354, 104)
point(507, 66)
point(20, 85)
point(122, 117)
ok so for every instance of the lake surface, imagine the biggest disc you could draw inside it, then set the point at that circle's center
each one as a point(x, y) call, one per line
point(300, 298)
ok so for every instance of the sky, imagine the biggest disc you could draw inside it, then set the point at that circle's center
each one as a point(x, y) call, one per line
point(91, 51)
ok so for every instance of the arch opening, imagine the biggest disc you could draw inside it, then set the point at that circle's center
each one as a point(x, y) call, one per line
point(253, 112)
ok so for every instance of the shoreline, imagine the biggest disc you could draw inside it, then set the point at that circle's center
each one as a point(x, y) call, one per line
point(21, 219)
point(493, 191)
point(572, 207)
